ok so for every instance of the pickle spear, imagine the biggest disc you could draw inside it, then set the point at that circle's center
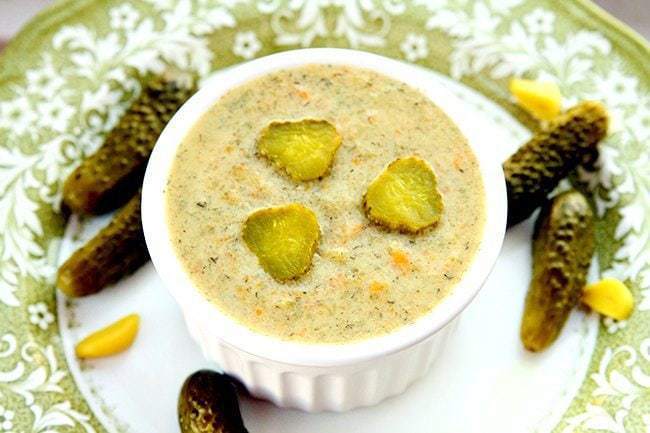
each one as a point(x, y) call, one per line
point(540, 164)
point(208, 404)
point(117, 250)
point(563, 244)
point(108, 178)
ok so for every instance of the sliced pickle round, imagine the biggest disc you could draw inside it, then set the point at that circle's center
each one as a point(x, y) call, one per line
point(283, 238)
point(404, 197)
point(304, 149)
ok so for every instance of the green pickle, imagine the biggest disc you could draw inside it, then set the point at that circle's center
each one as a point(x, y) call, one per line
point(284, 239)
point(108, 178)
point(547, 158)
point(117, 250)
point(208, 404)
point(563, 244)
point(404, 197)
point(304, 149)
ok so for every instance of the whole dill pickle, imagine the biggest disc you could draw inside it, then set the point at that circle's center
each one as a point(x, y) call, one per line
point(109, 177)
point(563, 244)
point(117, 250)
point(208, 404)
point(540, 164)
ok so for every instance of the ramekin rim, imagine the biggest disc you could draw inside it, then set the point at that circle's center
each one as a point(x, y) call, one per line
point(271, 348)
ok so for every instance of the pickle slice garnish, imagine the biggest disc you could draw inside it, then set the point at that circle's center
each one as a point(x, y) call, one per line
point(304, 149)
point(404, 197)
point(283, 238)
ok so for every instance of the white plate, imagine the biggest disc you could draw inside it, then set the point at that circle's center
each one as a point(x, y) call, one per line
point(484, 382)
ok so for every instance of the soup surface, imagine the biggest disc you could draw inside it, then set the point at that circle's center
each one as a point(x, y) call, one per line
point(364, 281)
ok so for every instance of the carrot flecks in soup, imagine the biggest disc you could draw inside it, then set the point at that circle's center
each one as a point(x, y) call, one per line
point(363, 280)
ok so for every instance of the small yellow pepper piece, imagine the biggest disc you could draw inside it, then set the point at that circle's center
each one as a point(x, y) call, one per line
point(115, 338)
point(609, 297)
point(542, 99)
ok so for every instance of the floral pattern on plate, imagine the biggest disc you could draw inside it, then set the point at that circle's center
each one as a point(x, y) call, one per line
point(62, 92)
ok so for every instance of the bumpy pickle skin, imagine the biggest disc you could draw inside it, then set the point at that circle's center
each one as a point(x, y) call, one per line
point(303, 149)
point(404, 197)
point(539, 165)
point(108, 178)
point(117, 250)
point(208, 404)
point(563, 244)
point(284, 239)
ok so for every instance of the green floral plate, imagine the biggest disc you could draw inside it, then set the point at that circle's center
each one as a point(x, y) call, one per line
point(68, 76)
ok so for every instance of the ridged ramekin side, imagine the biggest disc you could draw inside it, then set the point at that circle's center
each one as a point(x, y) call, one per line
point(315, 388)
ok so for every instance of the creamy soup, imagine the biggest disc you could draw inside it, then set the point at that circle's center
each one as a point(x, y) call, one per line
point(364, 280)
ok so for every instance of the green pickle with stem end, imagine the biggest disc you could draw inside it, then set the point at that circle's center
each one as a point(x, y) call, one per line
point(550, 155)
point(563, 245)
point(117, 250)
point(208, 404)
point(106, 179)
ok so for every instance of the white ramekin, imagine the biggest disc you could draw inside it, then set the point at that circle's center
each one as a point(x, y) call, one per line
point(316, 377)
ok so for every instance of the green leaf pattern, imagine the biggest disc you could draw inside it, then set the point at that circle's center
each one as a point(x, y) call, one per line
point(88, 72)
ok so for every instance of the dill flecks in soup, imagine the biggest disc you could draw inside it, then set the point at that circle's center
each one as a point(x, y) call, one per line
point(368, 234)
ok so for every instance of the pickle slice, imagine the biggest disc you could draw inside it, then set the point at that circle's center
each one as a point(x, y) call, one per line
point(283, 238)
point(404, 197)
point(304, 149)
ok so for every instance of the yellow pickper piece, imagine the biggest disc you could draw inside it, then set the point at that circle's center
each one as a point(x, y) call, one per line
point(113, 339)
